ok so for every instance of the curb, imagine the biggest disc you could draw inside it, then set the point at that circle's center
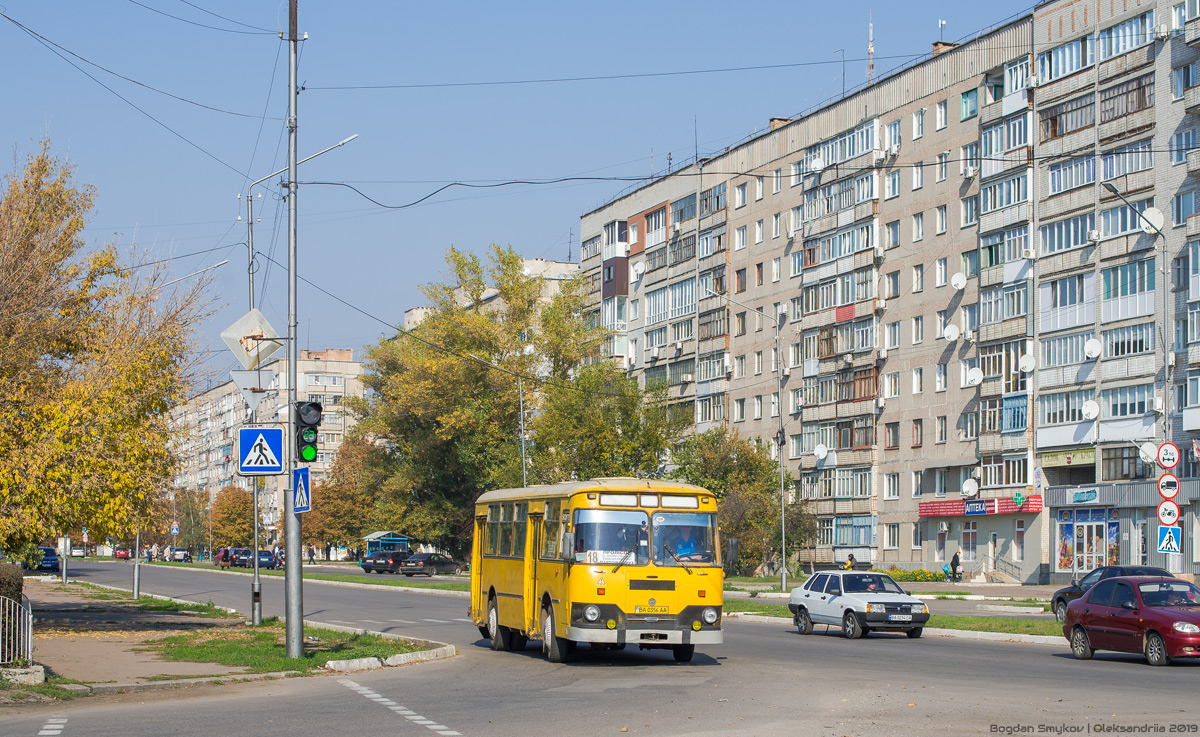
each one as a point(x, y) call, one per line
point(1011, 609)
point(932, 631)
point(346, 584)
point(435, 651)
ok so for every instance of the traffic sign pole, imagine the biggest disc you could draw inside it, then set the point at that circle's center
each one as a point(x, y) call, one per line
point(293, 603)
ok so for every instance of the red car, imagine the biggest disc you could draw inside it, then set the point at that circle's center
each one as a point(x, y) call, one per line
point(121, 552)
point(1159, 617)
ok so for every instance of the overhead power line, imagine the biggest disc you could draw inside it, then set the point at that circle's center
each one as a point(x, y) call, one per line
point(229, 20)
point(261, 32)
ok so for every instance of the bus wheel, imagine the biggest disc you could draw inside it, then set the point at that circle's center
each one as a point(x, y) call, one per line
point(684, 653)
point(501, 636)
point(557, 649)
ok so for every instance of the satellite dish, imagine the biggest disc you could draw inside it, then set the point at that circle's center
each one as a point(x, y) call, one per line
point(1027, 363)
point(1092, 348)
point(638, 269)
point(848, 358)
point(1148, 452)
point(970, 487)
point(1152, 220)
point(959, 281)
point(1091, 409)
point(818, 164)
point(820, 452)
point(951, 333)
point(975, 376)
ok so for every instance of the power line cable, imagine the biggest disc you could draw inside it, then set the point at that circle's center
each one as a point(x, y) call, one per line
point(127, 79)
point(128, 102)
point(229, 20)
point(202, 25)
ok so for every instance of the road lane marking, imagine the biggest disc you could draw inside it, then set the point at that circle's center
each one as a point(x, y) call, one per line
point(464, 619)
point(404, 711)
point(53, 727)
point(371, 621)
point(436, 621)
point(403, 621)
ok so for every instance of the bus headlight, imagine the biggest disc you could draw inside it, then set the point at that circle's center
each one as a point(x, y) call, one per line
point(591, 612)
point(709, 616)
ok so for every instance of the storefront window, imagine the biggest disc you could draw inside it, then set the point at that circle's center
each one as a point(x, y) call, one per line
point(970, 531)
point(939, 551)
point(1087, 538)
point(1019, 541)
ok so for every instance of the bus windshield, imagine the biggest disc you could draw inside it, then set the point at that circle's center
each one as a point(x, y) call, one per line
point(685, 538)
point(611, 536)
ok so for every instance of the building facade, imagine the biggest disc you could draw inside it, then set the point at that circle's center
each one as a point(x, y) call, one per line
point(207, 429)
point(939, 296)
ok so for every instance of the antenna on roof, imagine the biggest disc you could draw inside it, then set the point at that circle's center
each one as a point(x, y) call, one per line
point(941, 32)
point(870, 50)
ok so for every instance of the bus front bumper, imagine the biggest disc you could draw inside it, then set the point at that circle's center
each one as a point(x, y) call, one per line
point(646, 636)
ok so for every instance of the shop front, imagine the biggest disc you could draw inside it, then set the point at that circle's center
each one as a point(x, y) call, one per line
point(999, 535)
point(1117, 524)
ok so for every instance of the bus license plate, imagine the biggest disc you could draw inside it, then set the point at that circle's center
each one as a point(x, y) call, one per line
point(899, 617)
point(651, 610)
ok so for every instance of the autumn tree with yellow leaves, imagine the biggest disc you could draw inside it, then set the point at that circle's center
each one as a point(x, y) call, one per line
point(93, 354)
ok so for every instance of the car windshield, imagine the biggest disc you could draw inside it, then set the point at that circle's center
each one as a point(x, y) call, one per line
point(606, 535)
point(685, 538)
point(1169, 593)
point(870, 583)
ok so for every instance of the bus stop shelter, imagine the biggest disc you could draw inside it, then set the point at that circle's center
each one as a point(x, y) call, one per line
point(387, 540)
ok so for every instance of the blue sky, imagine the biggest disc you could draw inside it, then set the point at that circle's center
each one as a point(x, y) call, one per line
point(164, 194)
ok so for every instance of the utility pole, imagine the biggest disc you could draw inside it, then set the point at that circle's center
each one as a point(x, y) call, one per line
point(294, 597)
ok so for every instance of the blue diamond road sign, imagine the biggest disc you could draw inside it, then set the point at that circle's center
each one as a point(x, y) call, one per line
point(301, 491)
point(260, 451)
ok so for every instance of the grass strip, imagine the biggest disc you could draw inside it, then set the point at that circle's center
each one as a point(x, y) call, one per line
point(263, 649)
point(381, 580)
point(1005, 625)
point(125, 600)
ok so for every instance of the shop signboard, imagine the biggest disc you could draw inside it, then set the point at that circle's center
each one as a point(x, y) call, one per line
point(978, 506)
point(1085, 496)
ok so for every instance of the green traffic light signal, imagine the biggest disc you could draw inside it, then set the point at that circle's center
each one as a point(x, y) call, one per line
point(308, 418)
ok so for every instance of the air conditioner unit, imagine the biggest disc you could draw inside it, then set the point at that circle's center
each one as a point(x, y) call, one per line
point(893, 150)
point(1093, 236)
point(943, 526)
point(880, 402)
point(728, 365)
point(687, 378)
point(969, 172)
point(1162, 32)
point(655, 352)
point(880, 156)
point(847, 358)
point(1160, 405)
point(976, 472)
point(678, 346)
point(675, 228)
point(880, 305)
point(1032, 81)
point(1171, 359)
point(883, 354)
point(969, 336)
point(1028, 253)
point(878, 252)
point(787, 371)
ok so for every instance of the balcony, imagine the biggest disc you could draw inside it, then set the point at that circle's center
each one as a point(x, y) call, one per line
point(1127, 62)
point(1193, 163)
point(1191, 99)
point(1004, 217)
point(1191, 419)
point(1127, 125)
point(1066, 260)
point(1064, 202)
point(1130, 305)
point(1054, 436)
point(1191, 32)
point(1060, 318)
point(1193, 225)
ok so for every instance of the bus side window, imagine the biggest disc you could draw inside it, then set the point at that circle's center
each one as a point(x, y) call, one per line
point(506, 529)
point(493, 529)
point(519, 528)
point(550, 530)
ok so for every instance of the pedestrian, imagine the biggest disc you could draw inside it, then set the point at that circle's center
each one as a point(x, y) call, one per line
point(955, 569)
point(328, 547)
point(850, 563)
point(312, 555)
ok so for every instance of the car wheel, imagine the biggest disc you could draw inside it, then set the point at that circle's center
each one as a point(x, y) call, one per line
point(850, 626)
point(683, 653)
point(408, 574)
point(804, 623)
point(557, 649)
point(1156, 650)
point(1080, 647)
point(914, 633)
point(501, 636)
point(1060, 610)
point(457, 570)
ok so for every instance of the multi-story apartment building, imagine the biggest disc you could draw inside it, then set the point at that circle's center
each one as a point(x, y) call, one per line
point(975, 330)
point(208, 424)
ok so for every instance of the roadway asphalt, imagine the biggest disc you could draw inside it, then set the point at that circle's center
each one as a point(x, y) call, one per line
point(765, 680)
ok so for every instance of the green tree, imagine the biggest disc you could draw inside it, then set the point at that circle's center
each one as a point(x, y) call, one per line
point(745, 480)
point(92, 357)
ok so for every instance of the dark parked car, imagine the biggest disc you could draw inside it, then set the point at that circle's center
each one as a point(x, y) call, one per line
point(429, 564)
point(1079, 587)
point(49, 560)
point(266, 559)
point(240, 558)
point(383, 561)
point(1159, 617)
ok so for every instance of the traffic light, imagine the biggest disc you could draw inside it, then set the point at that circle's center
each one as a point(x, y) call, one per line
point(308, 419)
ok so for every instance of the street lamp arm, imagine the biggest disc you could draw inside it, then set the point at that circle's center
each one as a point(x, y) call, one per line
point(339, 144)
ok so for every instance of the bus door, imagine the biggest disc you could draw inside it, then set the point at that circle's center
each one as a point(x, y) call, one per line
point(478, 595)
point(532, 612)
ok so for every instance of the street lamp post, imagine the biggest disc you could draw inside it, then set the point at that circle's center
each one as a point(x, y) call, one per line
point(1167, 313)
point(780, 437)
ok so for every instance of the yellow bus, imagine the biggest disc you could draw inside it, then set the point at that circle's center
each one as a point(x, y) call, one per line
point(610, 562)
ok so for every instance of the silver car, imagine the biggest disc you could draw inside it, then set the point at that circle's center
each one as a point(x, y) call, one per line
point(858, 602)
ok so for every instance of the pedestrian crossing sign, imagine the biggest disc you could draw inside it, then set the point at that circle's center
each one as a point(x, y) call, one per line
point(260, 451)
point(1168, 539)
point(301, 491)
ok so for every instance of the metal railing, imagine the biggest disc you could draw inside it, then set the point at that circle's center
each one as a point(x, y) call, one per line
point(1008, 567)
point(16, 631)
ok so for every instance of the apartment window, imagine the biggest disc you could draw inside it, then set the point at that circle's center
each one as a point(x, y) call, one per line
point(1067, 234)
point(739, 323)
point(1129, 401)
point(739, 410)
point(891, 440)
point(1126, 36)
point(739, 238)
point(1071, 174)
point(776, 224)
point(758, 405)
point(918, 175)
point(893, 335)
point(1064, 350)
point(1005, 193)
point(970, 317)
point(656, 227)
point(970, 263)
point(891, 486)
point(739, 367)
point(776, 263)
point(1181, 143)
point(758, 362)
point(894, 138)
point(918, 380)
point(918, 329)
point(918, 277)
point(918, 226)
point(739, 196)
point(918, 433)
point(1127, 98)
point(1067, 117)
point(1127, 159)
point(758, 231)
point(893, 284)
point(1129, 341)
point(777, 181)
point(939, 273)
point(968, 426)
point(918, 123)
point(1066, 59)
point(970, 210)
point(893, 535)
point(1065, 407)
point(1184, 78)
point(891, 385)
point(1129, 279)
point(1016, 75)
point(969, 158)
point(940, 429)
point(941, 219)
point(893, 234)
point(1122, 463)
point(891, 185)
point(940, 114)
point(758, 188)
point(969, 106)
point(1001, 471)
point(1183, 205)
point(939, 378)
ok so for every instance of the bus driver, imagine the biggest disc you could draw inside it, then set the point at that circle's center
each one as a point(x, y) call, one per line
point(685, 545)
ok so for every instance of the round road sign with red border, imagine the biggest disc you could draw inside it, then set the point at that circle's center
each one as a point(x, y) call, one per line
point(1168, 485)
point(1168, 455)
point(1168, 512)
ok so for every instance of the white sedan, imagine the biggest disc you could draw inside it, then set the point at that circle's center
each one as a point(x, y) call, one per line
point(858, 602)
